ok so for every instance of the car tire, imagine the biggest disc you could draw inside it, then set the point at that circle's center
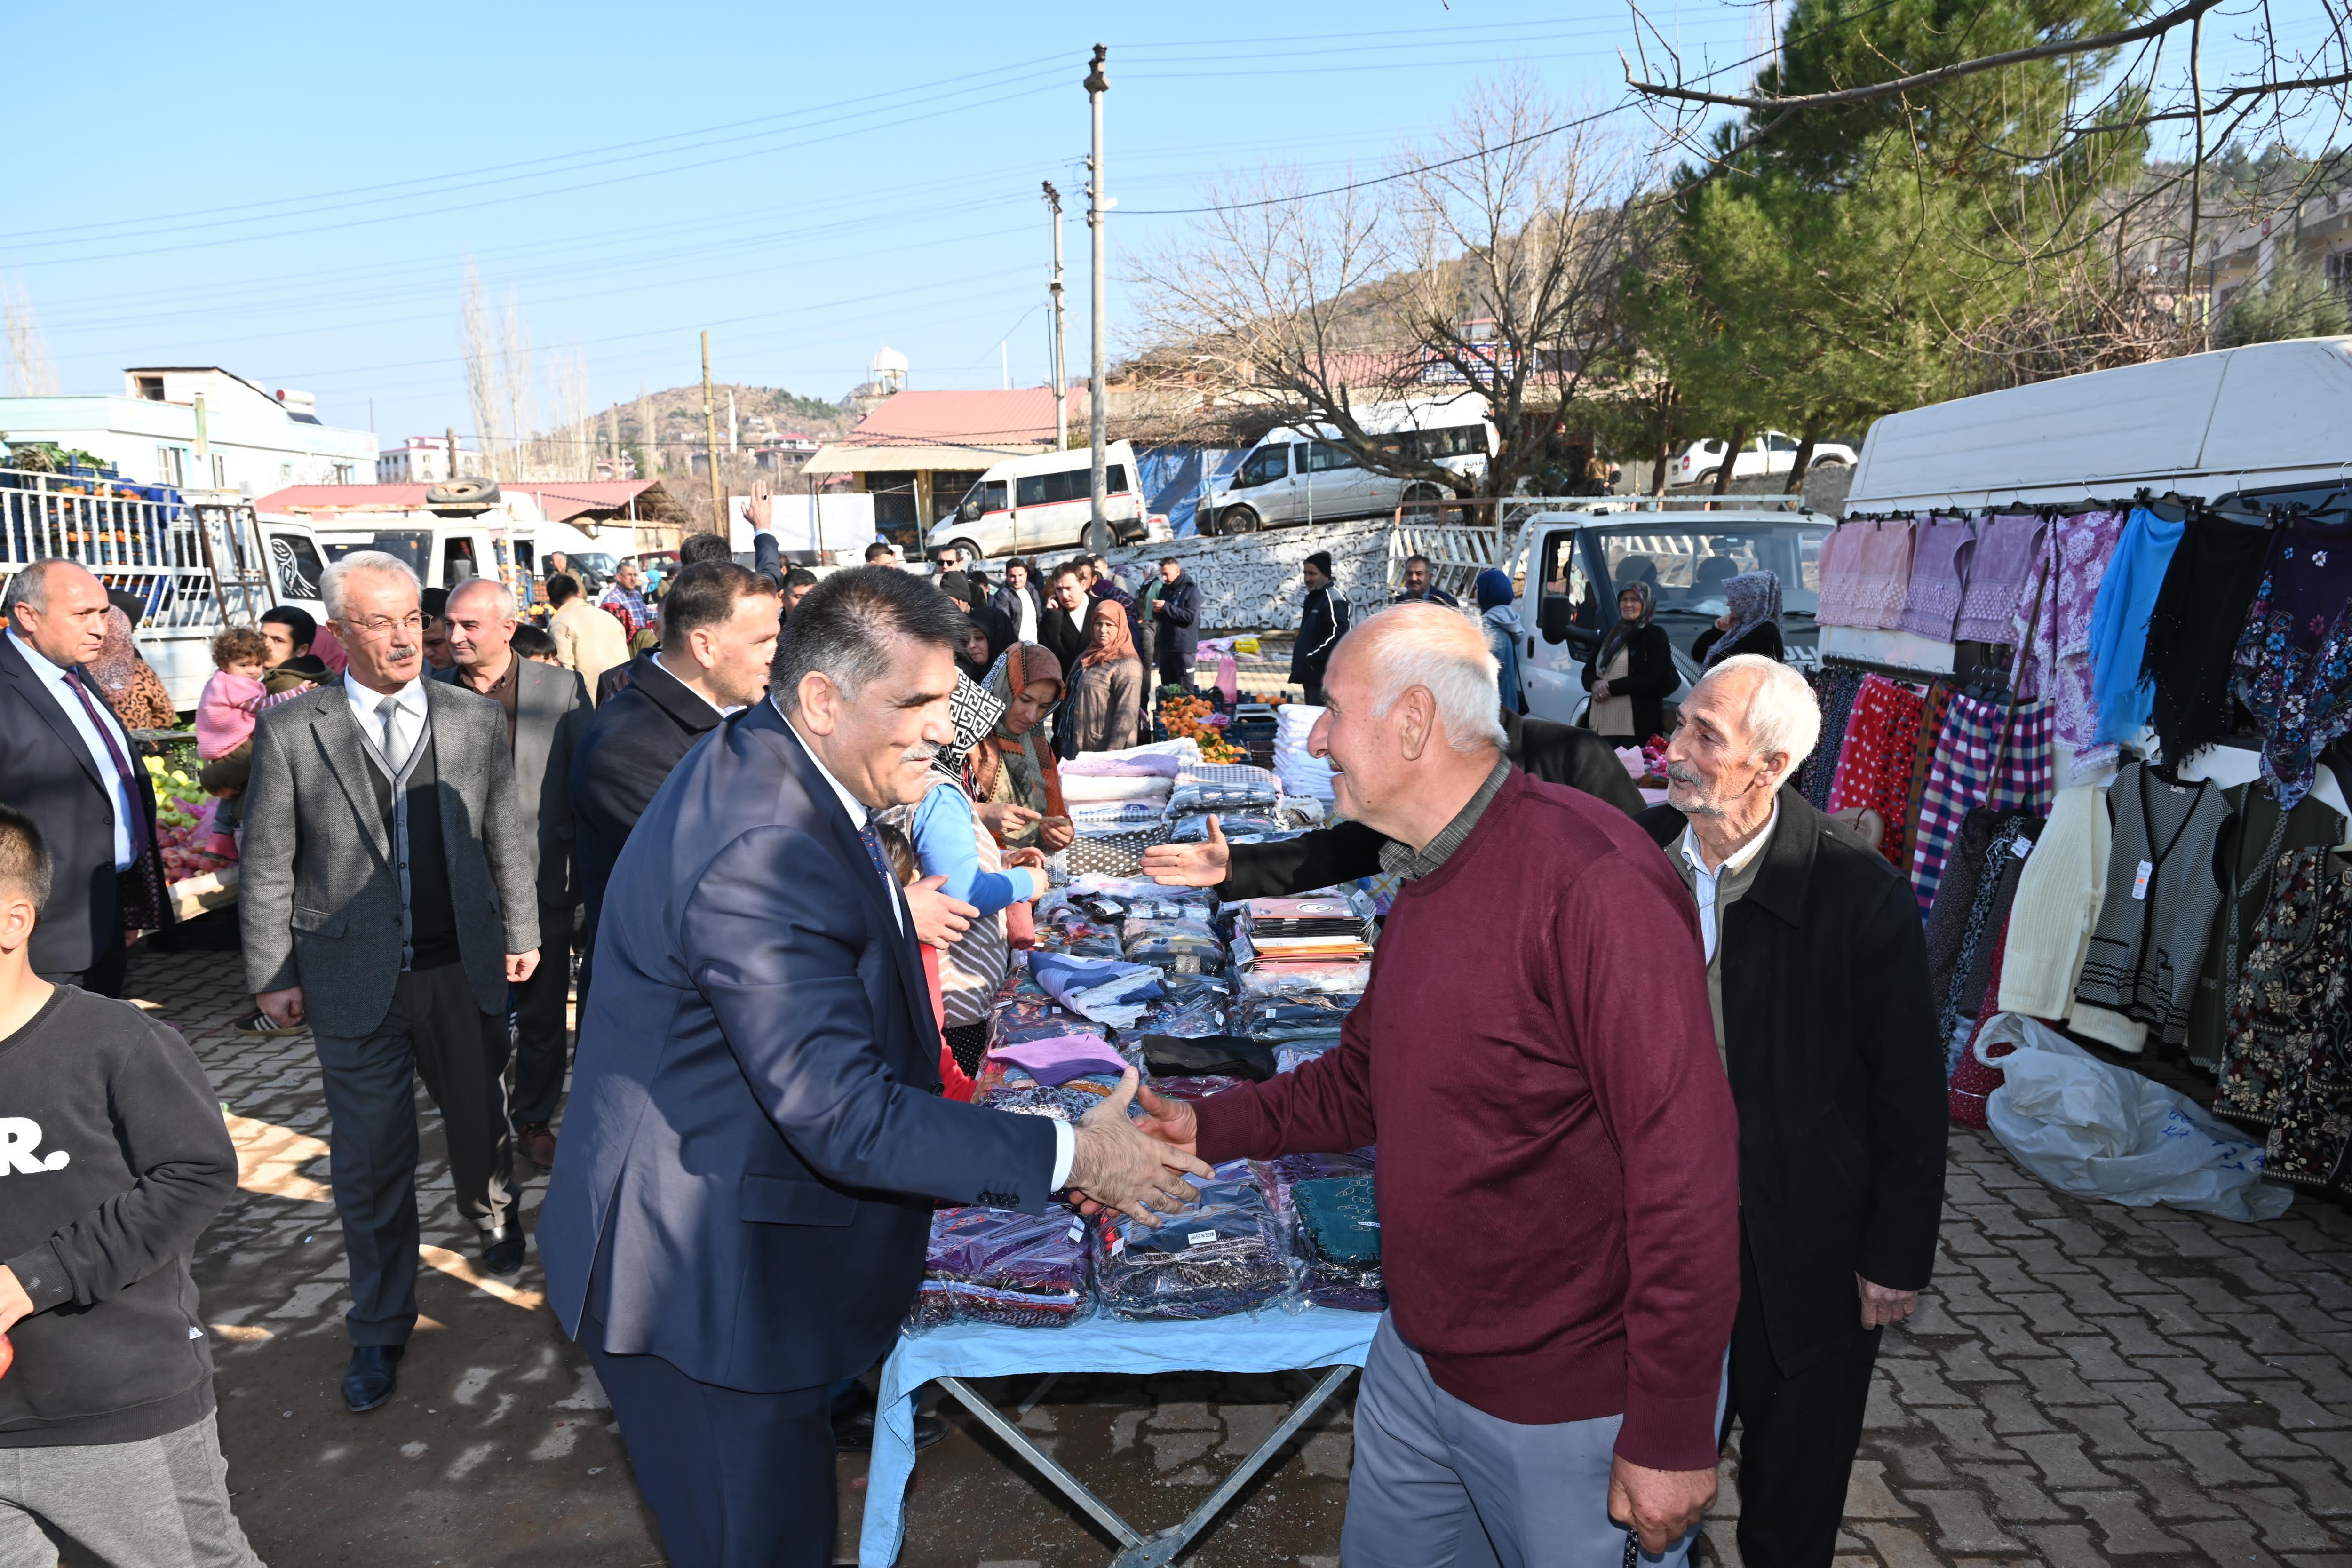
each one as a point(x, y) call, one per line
point(1096, 538)
point(1709, 477)
point(1832, 462)
point(970, 551)
point(1238, 520)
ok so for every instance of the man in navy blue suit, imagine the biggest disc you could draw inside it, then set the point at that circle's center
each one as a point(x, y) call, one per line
point(742, 1195)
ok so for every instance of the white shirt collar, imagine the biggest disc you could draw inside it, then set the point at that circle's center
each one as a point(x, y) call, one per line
point(722, 712)
point(849, 803)
point(410, 697)
point(44, 667)
point(1739, 857)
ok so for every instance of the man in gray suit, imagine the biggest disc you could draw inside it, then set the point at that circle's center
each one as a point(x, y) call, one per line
point(386, 900)
point(545, 706)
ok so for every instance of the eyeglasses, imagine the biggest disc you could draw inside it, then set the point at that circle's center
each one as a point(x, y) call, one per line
point(412, 623)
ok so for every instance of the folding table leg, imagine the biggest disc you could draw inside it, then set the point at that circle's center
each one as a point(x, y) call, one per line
point(1163, 1547)
point(1042, 1461)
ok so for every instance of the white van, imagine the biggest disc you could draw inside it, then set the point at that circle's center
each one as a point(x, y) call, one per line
point(1302, 474)
point(1044, 503)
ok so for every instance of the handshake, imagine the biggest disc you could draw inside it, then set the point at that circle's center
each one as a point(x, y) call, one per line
point(1136, 1166)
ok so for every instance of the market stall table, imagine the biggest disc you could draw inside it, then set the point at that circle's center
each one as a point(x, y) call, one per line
point(1274, 1340)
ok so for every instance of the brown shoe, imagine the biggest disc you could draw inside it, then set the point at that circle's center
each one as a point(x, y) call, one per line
point(538, 1141)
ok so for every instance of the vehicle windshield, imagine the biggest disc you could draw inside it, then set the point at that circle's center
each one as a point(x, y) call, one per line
point(416, 548)
point(1685, 571)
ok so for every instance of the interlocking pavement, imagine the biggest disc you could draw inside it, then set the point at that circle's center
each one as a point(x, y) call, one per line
point(2084, 1383)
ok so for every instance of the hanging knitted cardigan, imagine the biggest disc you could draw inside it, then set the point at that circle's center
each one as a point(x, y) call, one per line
point(2060, 893)
point(2162, 895)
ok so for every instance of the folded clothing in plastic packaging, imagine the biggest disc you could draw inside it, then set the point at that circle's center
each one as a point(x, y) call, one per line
point(1292, 1054)
point(1225, 1056)
point(1107, 991)
point(999, 1265)
point(1190, 1006)
point(1178, 946)
point(1238, 827)
point(1336, 1231)
point(1190, 796)
point(1222, 1257)
point(1277, 1178)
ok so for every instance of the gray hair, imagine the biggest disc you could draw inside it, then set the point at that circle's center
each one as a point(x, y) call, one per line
point(1443, 652)
point(30, 586)
point(1783, 714)
point(361, 563)
point(847, 628)
point(506, 607)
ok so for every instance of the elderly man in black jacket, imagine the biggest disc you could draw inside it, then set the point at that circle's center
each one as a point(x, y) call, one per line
point(1818, 970)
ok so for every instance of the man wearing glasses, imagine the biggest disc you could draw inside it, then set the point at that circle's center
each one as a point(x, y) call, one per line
point(387, 902)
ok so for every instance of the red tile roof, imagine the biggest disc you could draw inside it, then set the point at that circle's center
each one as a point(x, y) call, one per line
point(561, 500)
point(1022, 416)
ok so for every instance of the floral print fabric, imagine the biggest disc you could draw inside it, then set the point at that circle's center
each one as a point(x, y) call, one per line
point(2052, 631)
point(2294, 663)
point(2287, 1059)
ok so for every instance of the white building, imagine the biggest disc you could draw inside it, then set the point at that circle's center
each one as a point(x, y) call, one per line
point(423, 460)
point(195, 427)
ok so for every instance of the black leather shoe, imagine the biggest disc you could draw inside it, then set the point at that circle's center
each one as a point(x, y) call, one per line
point(502, 1248)
point(368, 1381)
point(853, 1432)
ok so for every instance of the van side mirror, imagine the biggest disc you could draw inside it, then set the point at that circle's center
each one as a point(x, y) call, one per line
point(1552, 618)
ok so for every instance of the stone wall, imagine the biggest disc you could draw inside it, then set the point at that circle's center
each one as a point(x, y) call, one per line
point(1255, 581)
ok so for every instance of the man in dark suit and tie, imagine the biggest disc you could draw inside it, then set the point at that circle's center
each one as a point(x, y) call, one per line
point(546, 707)
point(387, 902)
point(755, 1136)
point(68, 763)
point(719, 636)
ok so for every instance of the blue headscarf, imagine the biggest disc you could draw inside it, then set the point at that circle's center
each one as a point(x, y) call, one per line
point(1494, 587)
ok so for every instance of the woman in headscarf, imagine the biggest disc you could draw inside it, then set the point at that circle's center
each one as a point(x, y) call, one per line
point(1632, 672)
point(132, 687)
point(1500, 619)
point(1750, 625)
point(949, 844)
point(1016, 779)
point(1107, 696)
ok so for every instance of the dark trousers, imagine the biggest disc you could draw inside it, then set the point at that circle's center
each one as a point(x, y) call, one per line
point(436, 1030)
point(737, 1479)
point(541, 1050)
point(1175, 667)
point(1798, 1438)
point(104, 976)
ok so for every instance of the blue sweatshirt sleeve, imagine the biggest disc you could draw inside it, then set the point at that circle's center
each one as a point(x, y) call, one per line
point(944, 839)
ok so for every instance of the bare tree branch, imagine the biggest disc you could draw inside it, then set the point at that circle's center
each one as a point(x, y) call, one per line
point(2147, 29)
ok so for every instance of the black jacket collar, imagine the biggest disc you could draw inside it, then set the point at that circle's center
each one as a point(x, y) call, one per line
point(1786, 877)
point(672, 696)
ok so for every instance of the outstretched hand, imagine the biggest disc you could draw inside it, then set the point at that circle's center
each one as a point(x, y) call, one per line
point(760, 509)
point(1189, 864)
point(1117, 1167)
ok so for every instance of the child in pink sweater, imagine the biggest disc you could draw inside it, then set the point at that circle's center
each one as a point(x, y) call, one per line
point(224, 717)
point(224, 712)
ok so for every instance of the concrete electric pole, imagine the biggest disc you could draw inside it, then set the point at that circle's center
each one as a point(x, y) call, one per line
point(1098, 207)
point(710, 442)
point(1054, 289)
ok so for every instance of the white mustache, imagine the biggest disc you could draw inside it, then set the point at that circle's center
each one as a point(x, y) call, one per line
point(403, 650)
point(1678, 774)
point(921, 752)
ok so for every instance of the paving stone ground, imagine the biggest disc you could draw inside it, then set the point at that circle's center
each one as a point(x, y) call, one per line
point(2085, 1384)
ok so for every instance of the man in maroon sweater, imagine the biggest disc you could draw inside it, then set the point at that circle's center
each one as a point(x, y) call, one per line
point(1557, 1179)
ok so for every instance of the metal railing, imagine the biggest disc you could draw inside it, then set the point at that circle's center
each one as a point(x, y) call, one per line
point(176, 557)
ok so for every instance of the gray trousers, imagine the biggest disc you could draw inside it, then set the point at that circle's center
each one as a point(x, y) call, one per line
point(1438, 1484)
point(159, 1503)
point(541, 1049)
point(435, 1031)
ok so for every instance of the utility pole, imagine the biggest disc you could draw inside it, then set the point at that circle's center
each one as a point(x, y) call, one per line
point(1098, 206)
point(1060, 377)
point(449, 433)
point(734, 442)
point(710, 441)
point(647, 440)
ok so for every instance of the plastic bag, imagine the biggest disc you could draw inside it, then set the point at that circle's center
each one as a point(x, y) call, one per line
point(1179, 947)
point(999, 1266)
point(1225, 1256)
point(1190, 798)
point(2102, 1131)
point(1334, 1233)
point(1194, 1005)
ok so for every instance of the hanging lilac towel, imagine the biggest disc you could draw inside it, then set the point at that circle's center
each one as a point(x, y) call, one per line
point(1939, 563)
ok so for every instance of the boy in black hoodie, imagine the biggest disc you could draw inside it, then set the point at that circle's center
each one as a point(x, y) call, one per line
point(112, 1161)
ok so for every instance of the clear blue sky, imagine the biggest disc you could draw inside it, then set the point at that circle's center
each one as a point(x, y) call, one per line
point(294, 194)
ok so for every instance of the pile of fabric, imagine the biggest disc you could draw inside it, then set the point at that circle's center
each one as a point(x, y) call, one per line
point(997, 1265)
point(1301, 774)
